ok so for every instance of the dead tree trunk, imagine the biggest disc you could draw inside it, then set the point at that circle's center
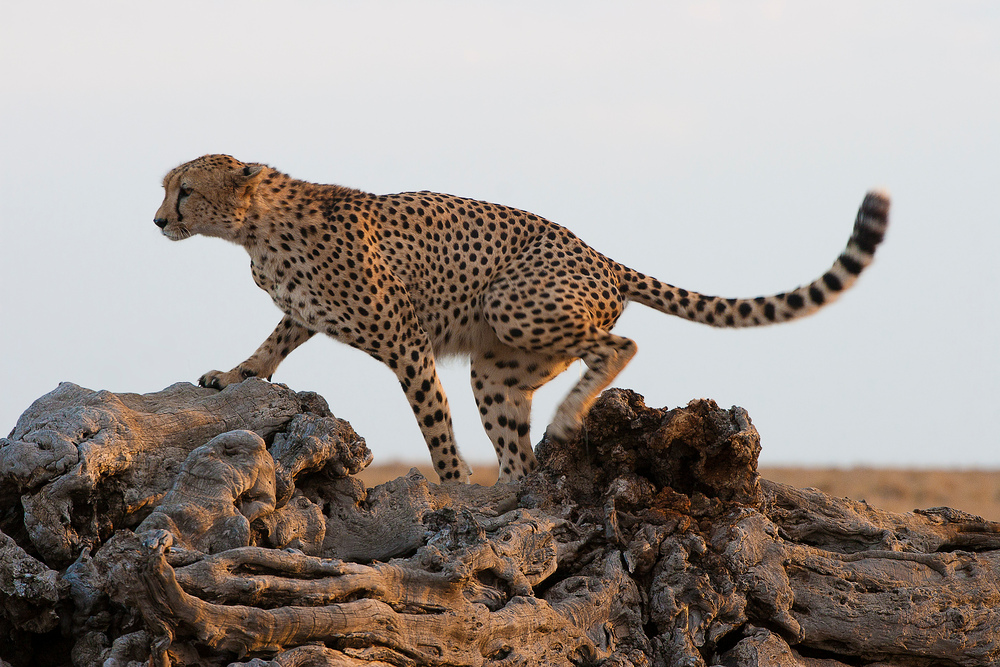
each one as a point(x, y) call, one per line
point(195, 527)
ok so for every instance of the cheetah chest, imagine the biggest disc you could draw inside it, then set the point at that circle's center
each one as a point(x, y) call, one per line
point(293, 290)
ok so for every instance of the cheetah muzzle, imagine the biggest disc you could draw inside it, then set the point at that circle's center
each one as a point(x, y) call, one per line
point(410, 277)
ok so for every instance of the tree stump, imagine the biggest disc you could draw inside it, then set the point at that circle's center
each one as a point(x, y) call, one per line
point(196, 527)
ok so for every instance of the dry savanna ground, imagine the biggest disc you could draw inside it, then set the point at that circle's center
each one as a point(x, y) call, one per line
point(897, 490)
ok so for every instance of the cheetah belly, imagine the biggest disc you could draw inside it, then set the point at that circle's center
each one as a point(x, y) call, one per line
point(465, 331)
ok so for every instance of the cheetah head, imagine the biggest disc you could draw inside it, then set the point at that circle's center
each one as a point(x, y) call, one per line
point(210, 196)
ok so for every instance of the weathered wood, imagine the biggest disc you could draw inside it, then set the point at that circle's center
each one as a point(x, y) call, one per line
point(81, 464)
point(650, 540)
point(29, 591)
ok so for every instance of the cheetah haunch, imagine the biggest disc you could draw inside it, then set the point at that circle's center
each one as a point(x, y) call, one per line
point(413, 276)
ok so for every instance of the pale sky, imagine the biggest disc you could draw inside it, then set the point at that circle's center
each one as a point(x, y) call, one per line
point(719, 146)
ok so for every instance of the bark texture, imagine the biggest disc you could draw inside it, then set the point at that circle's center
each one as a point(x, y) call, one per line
point(195, 527)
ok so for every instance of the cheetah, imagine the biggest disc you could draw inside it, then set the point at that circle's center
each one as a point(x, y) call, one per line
point(412, 277)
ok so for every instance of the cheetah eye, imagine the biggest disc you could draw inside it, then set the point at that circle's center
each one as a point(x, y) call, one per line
point(185, 191)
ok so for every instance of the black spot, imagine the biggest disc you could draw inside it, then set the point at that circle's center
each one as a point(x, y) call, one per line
point(796, 301)
point(867, 239)
point(850, 264)
point(816, 295)
point(745, 309)
point(832, 282)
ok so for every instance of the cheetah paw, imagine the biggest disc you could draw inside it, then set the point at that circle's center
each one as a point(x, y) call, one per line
point(560, 433)
point(220, 380)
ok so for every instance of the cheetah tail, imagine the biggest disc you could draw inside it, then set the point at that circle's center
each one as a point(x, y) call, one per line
point(869, 230)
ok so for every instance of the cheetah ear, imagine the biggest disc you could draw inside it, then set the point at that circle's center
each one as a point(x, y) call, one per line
point(247, 178)
point(252, 170)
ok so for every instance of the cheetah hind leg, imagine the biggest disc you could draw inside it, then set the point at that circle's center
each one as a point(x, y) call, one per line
point(605, 355)
point(504, 381)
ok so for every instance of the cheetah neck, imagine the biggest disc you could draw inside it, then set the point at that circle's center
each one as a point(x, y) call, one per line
point(281, 207)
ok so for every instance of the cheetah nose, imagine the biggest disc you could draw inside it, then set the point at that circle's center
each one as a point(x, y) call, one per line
point(160, 222)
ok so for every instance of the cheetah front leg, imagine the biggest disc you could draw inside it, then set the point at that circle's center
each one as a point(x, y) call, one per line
point(504, 381)
point(287, 336)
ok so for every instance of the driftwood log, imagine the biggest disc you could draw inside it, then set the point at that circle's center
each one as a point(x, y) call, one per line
point(195, 527)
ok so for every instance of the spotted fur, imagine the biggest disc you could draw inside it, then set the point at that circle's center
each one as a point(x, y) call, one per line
point(411, 277)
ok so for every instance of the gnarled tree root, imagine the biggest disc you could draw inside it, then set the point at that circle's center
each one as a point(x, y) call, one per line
point(469, 607)
point(649, 541)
